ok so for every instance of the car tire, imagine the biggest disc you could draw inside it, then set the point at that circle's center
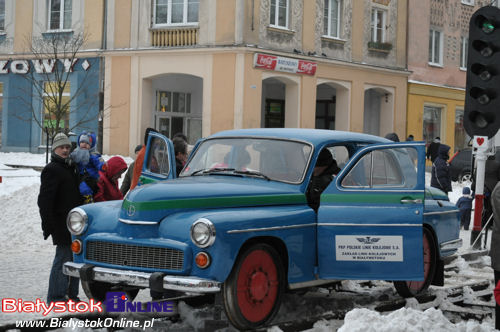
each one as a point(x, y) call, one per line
point(97, 290)
point(412, 288)
point(252, 293)
point(464, 177)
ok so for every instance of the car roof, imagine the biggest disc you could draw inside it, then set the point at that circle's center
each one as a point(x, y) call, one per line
point(314, 136)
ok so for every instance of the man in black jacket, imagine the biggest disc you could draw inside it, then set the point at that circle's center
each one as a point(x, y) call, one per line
point(58, 195)
point(325, 170)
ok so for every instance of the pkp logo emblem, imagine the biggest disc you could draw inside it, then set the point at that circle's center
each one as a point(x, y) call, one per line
point(131, 210)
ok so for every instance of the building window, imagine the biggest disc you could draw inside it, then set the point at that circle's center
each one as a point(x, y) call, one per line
point(54, 109)
point(435, 48)
point(332, 18)
point(274, 113)
point(173, 115)
point(461, 137)
point(279, 13)
point(60, 12)
point(2, 15)
point(468, 2)
point(175, 12)
point(378, 24)
point(463, 53)
point(325, 114)
point(432, 123)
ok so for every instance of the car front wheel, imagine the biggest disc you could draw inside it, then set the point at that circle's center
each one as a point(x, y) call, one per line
point(464, 177)
point(412, 288)
point(253, 291)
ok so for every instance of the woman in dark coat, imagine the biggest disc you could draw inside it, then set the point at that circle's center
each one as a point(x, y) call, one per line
point(440, 176)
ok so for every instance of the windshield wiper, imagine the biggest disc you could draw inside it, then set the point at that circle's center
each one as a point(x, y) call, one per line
point(211, 170)
point(255, 173)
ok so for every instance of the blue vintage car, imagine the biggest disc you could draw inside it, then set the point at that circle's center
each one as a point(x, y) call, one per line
point(245, 220)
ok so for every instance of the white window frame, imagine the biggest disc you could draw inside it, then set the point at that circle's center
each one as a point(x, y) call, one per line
point(374, 26)
point(468, 2)
point(169, 17)
point(275, 4)
point(432, 42)
point(61, 16)
point(328, 20)
point(464, 43)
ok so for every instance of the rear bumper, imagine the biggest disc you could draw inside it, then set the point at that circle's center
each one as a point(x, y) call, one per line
point(141, 279)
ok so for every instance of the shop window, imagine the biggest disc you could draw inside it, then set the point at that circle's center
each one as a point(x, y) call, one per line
point(436, 47)
point(325, 114)
point(332, 18)
point(378, 24)
point(432, 123)
point(55, 110)
point(174, 115)
point(274, 113)
point(279, 13)
point(463, 52)
point(60, 12)
point(461, 137)
point(175, 12)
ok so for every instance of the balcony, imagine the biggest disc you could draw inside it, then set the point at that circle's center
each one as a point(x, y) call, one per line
point(174, 37)
point(379, 47)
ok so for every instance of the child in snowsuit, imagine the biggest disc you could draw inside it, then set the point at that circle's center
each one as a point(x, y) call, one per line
point(464, 204)
point(89, 163)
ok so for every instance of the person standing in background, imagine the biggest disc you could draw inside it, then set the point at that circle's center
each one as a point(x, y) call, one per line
point(440, 174)
point(59, 194)
point(433, 149)
point(495, 249)
point(127, 180)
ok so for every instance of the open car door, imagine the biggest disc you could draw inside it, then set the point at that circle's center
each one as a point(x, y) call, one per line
point(370, 219)
point(159, 160)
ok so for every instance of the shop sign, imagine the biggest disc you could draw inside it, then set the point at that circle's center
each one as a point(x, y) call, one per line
point(40, 66)
point(289, 65)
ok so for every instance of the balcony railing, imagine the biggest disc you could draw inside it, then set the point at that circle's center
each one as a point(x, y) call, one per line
point(174, 37)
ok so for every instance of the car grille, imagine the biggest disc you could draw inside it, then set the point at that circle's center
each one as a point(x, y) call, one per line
point(134, 255)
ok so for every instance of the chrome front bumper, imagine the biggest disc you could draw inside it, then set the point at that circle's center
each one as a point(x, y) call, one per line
point(142, 279)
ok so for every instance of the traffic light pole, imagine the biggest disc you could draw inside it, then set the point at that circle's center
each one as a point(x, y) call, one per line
point(481, 157)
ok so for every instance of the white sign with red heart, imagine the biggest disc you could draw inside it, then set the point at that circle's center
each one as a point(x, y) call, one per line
point(480, 142)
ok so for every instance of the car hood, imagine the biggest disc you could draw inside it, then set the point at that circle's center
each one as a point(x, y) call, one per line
point(153, 202)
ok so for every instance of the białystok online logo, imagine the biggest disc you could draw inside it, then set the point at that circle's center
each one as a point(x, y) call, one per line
point(118, 302)
point(39, 306)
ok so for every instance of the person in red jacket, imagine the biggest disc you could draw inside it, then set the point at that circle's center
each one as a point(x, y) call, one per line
point(108, 180)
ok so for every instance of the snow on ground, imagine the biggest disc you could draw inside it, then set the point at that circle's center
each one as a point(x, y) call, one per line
point(26, 259)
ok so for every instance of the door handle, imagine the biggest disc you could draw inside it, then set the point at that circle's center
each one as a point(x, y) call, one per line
point(411, 201)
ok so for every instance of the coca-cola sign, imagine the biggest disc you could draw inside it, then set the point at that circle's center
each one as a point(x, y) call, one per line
point(289, 65)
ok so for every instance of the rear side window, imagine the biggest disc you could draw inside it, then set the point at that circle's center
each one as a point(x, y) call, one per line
point(383, 169)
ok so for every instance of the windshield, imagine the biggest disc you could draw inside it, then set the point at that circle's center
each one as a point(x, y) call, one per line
point(272, 159)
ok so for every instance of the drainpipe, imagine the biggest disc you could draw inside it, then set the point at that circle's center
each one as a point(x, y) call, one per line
point(100, 131)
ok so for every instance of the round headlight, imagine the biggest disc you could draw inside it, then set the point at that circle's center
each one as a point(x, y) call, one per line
point(203, 233)
point(77, 221)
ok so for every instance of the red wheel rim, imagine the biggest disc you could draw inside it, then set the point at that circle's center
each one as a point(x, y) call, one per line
point(257, 287)
point(417, 285)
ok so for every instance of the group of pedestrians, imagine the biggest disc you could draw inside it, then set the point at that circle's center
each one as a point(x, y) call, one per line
point(81, 176)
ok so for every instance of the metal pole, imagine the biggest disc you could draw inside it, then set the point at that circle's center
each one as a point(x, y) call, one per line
point(47, 146)
point(481, 156)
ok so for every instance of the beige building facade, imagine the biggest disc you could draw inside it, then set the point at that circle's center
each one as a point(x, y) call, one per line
point(199, 67)
point(204, 77)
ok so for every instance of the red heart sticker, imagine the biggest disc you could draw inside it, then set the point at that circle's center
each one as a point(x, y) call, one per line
point(480, 141)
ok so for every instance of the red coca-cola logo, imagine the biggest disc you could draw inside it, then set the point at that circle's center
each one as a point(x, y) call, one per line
point(307, 67)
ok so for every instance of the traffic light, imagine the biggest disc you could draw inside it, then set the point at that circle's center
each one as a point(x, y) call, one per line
point(482, 95)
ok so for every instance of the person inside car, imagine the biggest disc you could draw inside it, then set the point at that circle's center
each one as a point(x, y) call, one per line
point(324, 172)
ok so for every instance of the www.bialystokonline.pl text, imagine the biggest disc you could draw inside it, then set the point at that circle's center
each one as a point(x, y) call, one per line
point(57, 323)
